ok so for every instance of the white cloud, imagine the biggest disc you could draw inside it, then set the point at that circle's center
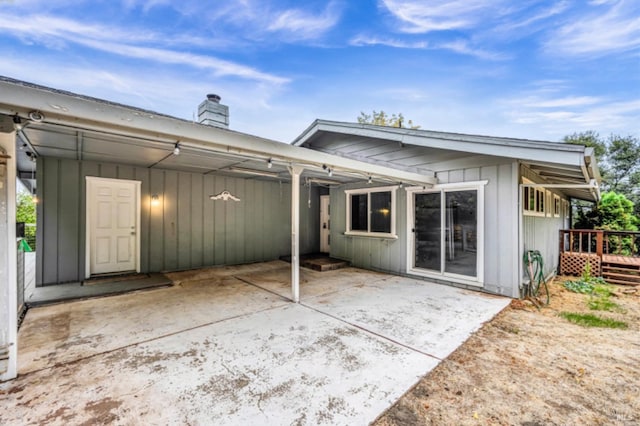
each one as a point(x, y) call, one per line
point(458, 46)
point(362, 40)
point(561, 114)
point(302, 24)
point(610, 27)
point(438, 15)
point(569, 101)
point(57, 31)
point(463, 47)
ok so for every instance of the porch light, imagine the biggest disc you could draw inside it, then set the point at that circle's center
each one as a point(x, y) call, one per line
point(155, 199)
point(369, 181)
point(176, 149)
point(269, 163)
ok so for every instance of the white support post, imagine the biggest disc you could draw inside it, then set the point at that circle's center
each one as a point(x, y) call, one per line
point(8, 262)
point(295, 171)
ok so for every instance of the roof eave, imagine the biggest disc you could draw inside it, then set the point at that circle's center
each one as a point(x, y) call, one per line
point(73, 110)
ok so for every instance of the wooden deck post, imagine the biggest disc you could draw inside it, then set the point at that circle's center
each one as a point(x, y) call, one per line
point(599, 243)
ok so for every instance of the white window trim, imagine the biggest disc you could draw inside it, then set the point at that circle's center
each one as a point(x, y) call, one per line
point(540, 193)
point(478, 280)
point(557, 212)
point(349, 192)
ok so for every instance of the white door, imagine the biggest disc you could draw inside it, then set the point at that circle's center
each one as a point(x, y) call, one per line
point(325, 224)
point(112, 225)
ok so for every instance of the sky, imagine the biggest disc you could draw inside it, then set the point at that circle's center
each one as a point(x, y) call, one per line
point(526, 69)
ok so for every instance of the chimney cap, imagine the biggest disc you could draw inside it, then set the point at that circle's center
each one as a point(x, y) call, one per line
point(214, 98)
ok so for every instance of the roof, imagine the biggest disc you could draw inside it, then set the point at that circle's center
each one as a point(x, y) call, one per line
point(572, 168)
point(79, 127)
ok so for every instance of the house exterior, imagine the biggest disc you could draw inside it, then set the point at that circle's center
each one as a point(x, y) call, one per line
point(494, 199)
point(123, 189)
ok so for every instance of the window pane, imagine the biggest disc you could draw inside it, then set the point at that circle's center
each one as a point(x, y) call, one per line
point(359, 212)
point(461, 233)
point(381, 212)
point(427, 231)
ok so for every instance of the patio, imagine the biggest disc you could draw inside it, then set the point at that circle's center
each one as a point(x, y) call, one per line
point(226, 346)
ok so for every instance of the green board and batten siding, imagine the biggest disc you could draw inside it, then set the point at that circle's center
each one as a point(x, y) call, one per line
point(500, 221)
point(185, 230)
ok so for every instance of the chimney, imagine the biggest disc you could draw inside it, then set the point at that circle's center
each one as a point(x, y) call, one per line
point(212, 113)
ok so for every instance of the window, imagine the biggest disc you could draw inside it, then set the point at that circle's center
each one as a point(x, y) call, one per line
point(567, 209)
point(556, 206)
point(533, 201)
point(371, 212)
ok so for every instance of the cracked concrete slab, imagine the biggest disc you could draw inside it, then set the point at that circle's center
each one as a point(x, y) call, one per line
point(218, 350)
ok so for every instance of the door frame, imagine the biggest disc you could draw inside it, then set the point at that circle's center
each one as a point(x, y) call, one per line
point(478, 280)
point(90, 180)
point(328, 198)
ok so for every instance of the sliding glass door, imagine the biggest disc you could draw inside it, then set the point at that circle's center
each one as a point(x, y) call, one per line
point(445, 232)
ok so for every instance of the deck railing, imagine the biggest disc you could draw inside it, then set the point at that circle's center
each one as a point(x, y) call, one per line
point(603, 250)
point(598, 242)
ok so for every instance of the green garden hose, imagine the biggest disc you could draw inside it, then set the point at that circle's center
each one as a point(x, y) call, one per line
point(534, 266)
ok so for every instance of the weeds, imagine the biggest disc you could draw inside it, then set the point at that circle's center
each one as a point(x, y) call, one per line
point(600, 299)
point(587, 284)
point(579, 286)
point(590, 320)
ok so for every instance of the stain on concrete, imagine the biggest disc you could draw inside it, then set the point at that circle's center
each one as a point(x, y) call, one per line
point(334, 406)
point(59, 415)
point(102, 411)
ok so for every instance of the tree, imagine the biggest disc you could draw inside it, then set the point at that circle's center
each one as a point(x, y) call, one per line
point(614, 212)
point(619, 162)
point(26, 212)
point(382, 119)
point(25, 208)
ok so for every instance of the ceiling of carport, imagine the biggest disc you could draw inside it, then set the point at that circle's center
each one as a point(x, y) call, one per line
point(54, 140)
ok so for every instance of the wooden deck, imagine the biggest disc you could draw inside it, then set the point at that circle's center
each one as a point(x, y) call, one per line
point(603, 251)
point(621, 260)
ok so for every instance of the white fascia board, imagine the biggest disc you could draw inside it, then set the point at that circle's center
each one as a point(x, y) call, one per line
point(65, 109)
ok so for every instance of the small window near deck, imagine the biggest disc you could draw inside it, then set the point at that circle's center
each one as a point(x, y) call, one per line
point(556, 206)
point(534, 201)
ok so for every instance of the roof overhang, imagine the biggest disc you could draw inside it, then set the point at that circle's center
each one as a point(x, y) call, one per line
point(574, 167)
point(68, 125)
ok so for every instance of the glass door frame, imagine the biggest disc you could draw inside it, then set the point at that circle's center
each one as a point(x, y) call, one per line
point(478, 280)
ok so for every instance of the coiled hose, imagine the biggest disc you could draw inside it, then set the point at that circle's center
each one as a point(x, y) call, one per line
point(534, 265)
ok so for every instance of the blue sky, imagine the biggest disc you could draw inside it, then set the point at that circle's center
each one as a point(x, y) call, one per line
point(527, 68)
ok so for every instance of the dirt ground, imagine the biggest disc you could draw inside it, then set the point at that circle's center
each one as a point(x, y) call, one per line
point(530, 367)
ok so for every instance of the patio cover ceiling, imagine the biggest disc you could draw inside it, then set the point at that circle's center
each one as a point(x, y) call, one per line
point(570, 168)
point(68, 125)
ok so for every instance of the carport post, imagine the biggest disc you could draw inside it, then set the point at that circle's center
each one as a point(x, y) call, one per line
point(8, 256)
point(295, 171)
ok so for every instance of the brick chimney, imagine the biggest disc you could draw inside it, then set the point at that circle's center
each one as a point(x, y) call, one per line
point(212, 113)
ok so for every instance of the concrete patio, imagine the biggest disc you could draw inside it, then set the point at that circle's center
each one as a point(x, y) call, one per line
point(226, 346)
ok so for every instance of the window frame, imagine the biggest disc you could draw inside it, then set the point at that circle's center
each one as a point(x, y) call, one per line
point(557, 206)
point(540, 198)
point(368, 191)
point(478, 280)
